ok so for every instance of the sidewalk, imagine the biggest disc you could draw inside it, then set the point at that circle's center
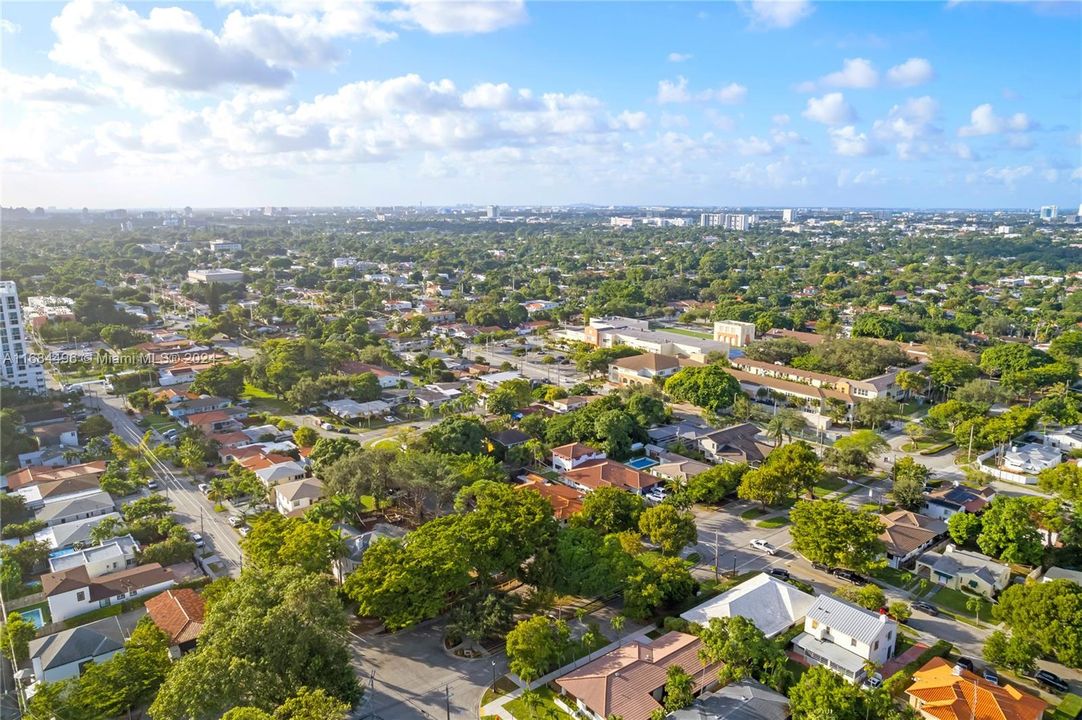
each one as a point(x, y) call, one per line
point(496, 707)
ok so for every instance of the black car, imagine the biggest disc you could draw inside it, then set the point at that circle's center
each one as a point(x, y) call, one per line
point(991, 676)
point(821, 566)
point(965, 663)
point(849, 576)
point(1051, 680)
point(926, 608)
point(779, 573)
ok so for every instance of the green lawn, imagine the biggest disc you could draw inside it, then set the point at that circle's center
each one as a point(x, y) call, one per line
point(773, 523)
point(955, 602)
point(99, 614)
point(161, 423)
point(898, 578)
point(690, 333)
point(1069, 709)
point(903, 643)
point(545, 708)
point(502, 687)
point(828, 485)
point(263, 401)
point(753, 513)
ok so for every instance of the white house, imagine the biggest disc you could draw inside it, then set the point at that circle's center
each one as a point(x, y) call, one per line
point(68, 509)
point(570, 456)
point(1066, 439)
point(842, 636)
point(351, 409)
point(964, 570)
point(771, 604)
point(73, 592)
point(110, 556)
point(66, 654)
point(289, 497)
point(1030, 458)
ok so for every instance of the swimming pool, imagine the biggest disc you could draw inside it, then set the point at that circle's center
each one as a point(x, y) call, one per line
point(641, 463)
point(35, 616)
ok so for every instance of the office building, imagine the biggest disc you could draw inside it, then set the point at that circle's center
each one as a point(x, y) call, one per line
point(19, 370)
point(620, 222)
point(492, 212)
point(219, 275)
point(728, 221)
point(735, 333)
point(1049, 212)
point(787, 215)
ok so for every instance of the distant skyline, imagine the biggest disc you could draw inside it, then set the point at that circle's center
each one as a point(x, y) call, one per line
point(318, 103)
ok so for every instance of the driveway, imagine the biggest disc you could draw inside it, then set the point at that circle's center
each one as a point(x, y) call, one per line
point(415, 678)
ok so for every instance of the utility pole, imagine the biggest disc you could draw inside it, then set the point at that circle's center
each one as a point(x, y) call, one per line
point(717, 558)
point(447, 700)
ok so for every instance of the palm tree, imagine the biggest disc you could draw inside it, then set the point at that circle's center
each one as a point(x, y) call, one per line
point(617, 623)
point(784, 424)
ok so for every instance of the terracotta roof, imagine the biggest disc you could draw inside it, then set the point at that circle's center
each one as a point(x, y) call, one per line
point(40, 473)
point(572, 451)
point(204, 418)
point(944, 694)
point(178, 613)
point(609, 473)
point(263, 461)
point(565, 501)
point(621, 682)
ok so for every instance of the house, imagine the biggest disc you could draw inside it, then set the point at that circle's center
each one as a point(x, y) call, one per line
point(62, 435)
point(844, 637)
point(572, 402)
point(645, 369)
point(386, 378)
point(941, 691)
point(202, 404)
point(672, 466)
point(1030, 458)
point(908, 534)
point(510, 438)
point(357, 542)
point(943, 502)
point(75, 507)
point(178, 613)
point(66, 654)
point(35, 496)
point(297, 495)
point(35, 474)
point(609, 473)
point(743, 700)
point(570, 456)
point(74, 592)
point(629, 682)
point(177, 374)
point(1066, 439)
point(964, 570)
point(216, 421)
point(772, 605)
point(63, 536)
point(736, 444)
point(273, 469)
point(351, 409)
point(1058, 573)
point(565, 500)
point(107, 557)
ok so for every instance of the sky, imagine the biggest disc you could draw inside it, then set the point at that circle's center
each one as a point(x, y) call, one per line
point(751, 103)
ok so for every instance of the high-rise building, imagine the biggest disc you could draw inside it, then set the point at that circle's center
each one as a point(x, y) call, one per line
point(728, 221)
point(492, 212)
point(1049, 212)
point(18, 369)
point(787, 215)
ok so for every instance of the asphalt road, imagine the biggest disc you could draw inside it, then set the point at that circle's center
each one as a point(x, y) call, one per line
point(192, 508)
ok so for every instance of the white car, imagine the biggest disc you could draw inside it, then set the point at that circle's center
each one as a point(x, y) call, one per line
point(198, 540)
point(389, 418)
point(764, 546)
point(875, 681)
point(236, 520)
point(657, 494)
point(204, 488)
point(327, 426)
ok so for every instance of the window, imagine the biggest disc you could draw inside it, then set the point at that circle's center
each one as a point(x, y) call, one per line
point(852, 642)
point(876, 645)
point(80, 596)
point(815, 624)
point(890, 634)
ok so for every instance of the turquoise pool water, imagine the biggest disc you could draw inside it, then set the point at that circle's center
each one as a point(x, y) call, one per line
point(642, 463)
point(35, 616)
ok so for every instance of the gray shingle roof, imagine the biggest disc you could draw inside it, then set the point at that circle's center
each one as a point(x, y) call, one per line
point(81, 643)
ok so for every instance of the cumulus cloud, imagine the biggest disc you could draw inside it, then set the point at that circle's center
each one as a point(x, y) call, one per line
point(914, 71)
point(9, 27)
point(773, 14)
point(50, 88)
point(753, 146)
point(912, 120)
point(675, 57)
point(1008, 176)
point(461, 16)
point(983, 120)
point(676, 91)
point(831, 109)
point(850, 143)
point(855, 73)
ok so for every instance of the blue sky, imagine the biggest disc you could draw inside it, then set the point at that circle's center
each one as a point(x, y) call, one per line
point(298, 102)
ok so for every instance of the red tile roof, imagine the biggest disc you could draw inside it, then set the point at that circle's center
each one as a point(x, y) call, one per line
point(609, 473)
point(178, 613)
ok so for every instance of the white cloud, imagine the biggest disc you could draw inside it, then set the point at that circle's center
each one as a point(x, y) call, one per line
point(1076, 174)
point(855, 73)
point(850, 143)
point(1008, 176)
point(780, 119)
point(676, 91)
point(914, 71)
point(675, 57)
point(771, 14)
point(50, 88)
point(674, 120)
point(962, 151)
point(831, 109)
point(912, 120)
point(753, 146)
point(9, 27)
point(864, 177)
point(461, 16)
point(984, 121)
point(720, 121)
point(628, 120)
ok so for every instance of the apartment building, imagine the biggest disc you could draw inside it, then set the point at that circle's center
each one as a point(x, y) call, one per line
point(18, 369)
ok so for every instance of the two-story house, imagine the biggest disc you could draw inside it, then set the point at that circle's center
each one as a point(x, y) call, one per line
point(570, 456)
point(74, 591)
point(297, 495)
point(645, 369)
point(843, 637)
point(110, 556)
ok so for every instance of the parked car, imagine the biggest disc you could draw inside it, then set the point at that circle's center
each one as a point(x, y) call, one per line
point(326, 426)
point(873, 682)
point(821, 567)
point(764, 546)
point(991, 676)
point(236, 521)
point(204, 488)
point(780, 573)
point(926, 608)
point(244, 530)
point(1052, 681)
point(200, 543)
point(152, 484)
point(389, 418)
point(657, 494)
point(345, 430)
point(964, 662)
point(848, 576)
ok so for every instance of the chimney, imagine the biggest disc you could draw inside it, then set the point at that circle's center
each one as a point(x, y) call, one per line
point(882, 617)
